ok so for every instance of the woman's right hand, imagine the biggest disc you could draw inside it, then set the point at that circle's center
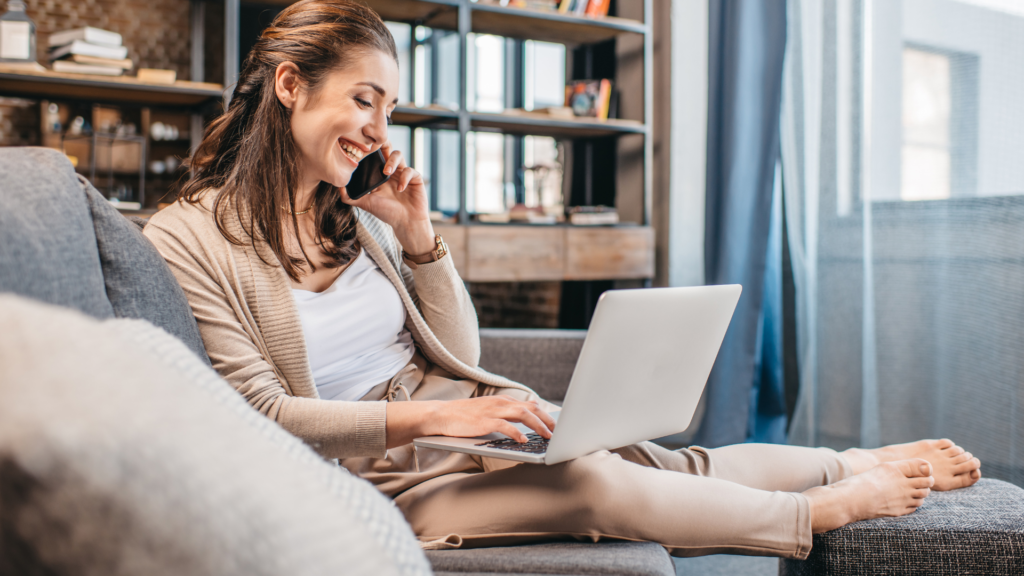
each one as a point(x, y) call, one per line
point(467, 418)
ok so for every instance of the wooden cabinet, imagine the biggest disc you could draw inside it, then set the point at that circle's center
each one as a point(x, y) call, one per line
point(511, 253)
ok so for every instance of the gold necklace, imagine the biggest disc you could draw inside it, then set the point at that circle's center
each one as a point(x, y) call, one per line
point(300, 213)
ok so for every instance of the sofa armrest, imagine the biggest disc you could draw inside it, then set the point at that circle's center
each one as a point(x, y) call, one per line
point(542, 359)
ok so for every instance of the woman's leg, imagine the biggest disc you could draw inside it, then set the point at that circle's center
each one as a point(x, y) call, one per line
point(760, 466)
point(604, 496)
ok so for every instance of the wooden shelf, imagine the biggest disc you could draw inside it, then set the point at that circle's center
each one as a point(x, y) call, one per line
point(541, 125)
point(436, 117)
point(529, 253)
point(123, 89)
point(517, 123)
point(550, 26)
point(491, 18)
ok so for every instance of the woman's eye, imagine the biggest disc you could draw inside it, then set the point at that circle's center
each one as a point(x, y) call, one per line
point(390, 121)
point(364, 103)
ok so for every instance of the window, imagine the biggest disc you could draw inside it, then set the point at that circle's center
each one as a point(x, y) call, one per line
point(927, 112)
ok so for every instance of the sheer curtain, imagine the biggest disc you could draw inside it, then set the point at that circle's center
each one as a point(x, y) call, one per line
point(903, 175)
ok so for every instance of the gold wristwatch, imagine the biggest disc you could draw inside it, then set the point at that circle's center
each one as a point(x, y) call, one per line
point(439, 251)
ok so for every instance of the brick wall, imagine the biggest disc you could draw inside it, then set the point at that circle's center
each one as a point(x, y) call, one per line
point(156, 32)
point(516, 304)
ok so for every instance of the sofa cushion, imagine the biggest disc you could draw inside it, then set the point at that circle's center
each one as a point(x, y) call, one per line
point(977, 530)
point(138, 282)
point(542, 359)
point(613, 558)
point(121, 453)
point(47, 244)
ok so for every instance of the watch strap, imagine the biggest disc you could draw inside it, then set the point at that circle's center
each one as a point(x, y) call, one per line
point(440, 251)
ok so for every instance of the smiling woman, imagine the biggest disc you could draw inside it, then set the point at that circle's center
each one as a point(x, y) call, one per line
point(346, 322)
point(314, 96)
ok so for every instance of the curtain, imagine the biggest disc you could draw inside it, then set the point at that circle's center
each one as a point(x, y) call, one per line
point(903, 171)
point(747, 46)
point(747, 41)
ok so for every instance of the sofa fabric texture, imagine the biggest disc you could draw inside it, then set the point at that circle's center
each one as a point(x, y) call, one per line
point(608, 558)
point(47, 244)
point(138, 282)
point(971, 531)
point(542, 359)
point(130, 456)
point(62, 243)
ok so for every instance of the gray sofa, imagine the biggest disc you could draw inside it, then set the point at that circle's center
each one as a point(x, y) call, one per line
point(62, 244)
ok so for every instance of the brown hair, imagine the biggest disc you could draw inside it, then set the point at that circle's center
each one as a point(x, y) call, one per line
point(248, 152)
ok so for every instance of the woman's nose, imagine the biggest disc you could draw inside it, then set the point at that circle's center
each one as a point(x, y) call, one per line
point(378, 128)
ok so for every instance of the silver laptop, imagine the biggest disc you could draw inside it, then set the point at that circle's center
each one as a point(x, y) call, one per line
point(640, 374)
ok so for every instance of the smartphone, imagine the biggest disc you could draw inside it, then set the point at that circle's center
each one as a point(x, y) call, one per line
point(367, 176)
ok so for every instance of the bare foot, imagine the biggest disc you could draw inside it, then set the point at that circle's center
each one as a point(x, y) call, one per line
point(889, 489)
point(952, 466)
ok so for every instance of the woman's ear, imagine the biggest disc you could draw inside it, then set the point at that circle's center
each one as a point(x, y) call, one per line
point(286, 84)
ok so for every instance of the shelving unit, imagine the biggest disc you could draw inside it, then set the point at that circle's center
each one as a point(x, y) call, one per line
point(506, 252)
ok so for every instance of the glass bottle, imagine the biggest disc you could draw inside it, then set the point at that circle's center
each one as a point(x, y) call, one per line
point(17, 34)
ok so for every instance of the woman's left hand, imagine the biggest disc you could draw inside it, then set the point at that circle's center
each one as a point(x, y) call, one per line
point(401, 202)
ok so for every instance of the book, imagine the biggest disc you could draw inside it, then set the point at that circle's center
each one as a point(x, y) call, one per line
point(564, 5)
point(77, 68)
point(593, 215)
point(87, 49)
point(87, 34)
point(124, 64)
point(598, 8)
point(157, 75)
point(589, 98)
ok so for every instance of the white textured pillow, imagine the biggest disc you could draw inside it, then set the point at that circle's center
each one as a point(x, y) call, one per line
point(121, 453)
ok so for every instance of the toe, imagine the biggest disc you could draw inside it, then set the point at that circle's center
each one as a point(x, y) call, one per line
point(944, 444)
point(954, 451)
point(960, 458)
point(967, 466)
point(920, 494)
point(922, 482)
point(914, 467)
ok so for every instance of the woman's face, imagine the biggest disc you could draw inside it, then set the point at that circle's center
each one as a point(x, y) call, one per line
point(345, 120)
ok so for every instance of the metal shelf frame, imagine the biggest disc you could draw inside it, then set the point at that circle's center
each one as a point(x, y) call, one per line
point(465, 17)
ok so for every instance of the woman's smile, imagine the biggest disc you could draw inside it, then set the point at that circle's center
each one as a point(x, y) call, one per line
point(353, 152)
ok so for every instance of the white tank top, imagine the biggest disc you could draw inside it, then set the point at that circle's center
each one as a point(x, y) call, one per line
point(355, 331)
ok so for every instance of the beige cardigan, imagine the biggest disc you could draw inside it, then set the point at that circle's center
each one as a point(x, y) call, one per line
point(252, 332)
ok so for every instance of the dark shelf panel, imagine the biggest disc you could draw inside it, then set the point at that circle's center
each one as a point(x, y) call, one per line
point(554, 127)
point(527, 124)
point(512, 22)
point(434, 117)
point(125, 89)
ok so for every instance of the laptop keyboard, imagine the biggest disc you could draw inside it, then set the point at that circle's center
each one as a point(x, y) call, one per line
point(535, 444)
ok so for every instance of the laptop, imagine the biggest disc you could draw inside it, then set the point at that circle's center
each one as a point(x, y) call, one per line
point(640, 375)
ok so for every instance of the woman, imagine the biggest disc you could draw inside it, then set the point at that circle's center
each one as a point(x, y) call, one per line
point(315, 307)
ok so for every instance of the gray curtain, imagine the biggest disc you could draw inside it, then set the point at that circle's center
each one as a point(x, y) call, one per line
point(747, 45)
point(902, 146)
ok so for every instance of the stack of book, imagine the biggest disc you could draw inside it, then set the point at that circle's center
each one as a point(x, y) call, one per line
point(593, 215)
point(88, 51)
point(592, 8)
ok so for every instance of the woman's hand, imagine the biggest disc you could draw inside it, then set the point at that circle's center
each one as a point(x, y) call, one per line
point(401, 202)
point(465, 419)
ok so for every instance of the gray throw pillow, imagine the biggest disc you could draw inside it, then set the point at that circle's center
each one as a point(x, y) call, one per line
point(47, 243)
point(121, 453)
point(138, 282)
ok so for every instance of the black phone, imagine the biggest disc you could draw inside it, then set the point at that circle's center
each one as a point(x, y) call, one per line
point(368, 175)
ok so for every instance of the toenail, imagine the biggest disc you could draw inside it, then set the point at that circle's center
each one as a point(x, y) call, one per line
point(924, 468)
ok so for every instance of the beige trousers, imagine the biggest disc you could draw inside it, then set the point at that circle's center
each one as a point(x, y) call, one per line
point(741, 499)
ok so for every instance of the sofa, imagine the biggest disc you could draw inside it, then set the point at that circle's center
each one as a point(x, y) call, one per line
point(122, 451)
